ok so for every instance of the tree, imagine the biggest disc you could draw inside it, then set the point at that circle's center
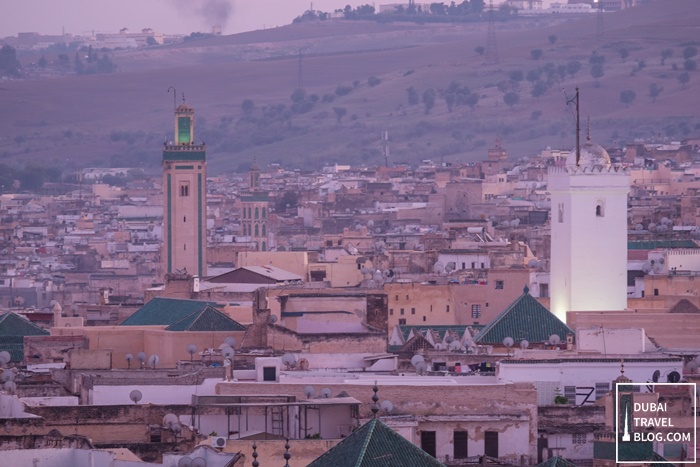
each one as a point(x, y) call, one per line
point(428, 99)
point(340, 113)
point(666, 54)
point(516, 75)
point(373, 81)
point(573, 67)
point(624, 53)
point(533, 75)
point(689, 52)
point(151, 41)
point(539, 88)
point(690, 65)
point(511, 98)
point(298, 95)
point(472, 100)
point(596, 58)
point(438, 9)
point(597, 73)
point(683, 78)
point(247, 106)
point(553, 38)
point(42, 62)
point(627, 97)
point(9, 65)
point(480, 50)
point(413, 97)
point(654, 91)
point(536, 54)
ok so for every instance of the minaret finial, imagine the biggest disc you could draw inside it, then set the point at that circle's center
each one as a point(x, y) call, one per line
point(375, 399)
point(588, 136)
point(287, 455)
point(255, 456)
point(183, 97)
point(622, 366)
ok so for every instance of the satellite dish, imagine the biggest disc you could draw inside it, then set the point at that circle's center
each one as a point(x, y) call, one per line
point(508, 342)
point(230, 341)
point(227, 352)
point(184, 462)
point(646, 267)
point(325, 393)
point(135, 396)
point(199, 462)
point(169, 420)
point(141, 357)
point(673, 377)
point(655, 376)
point(533, 263)
point(153, 361)
point(438, 267)
point(289, 360)
point(438, 346)
point(455, 345)
point(272, 319)
point(524, 344)
point(176, 428)
point(309, 392)
point(10, 386)
point(8, 375)
point(416, 359)
point(449, 339)
point(554, 339)
point(191, 349)
point(421, 367)
point(387, 406)
point(5, 357)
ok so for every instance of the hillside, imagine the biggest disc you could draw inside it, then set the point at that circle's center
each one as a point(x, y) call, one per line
point(122, 118)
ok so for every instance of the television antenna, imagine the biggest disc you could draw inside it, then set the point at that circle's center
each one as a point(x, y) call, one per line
point(575, 100)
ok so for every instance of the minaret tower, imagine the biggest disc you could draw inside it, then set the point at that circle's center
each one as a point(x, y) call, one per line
point(589, 232)
point(255, 207)
point(185, 195)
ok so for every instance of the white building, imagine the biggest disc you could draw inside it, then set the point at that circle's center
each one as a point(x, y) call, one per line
point(589, 233)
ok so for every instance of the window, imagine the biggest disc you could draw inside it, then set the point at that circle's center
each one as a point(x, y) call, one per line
point(464, 266)
point(476, 311)
point(402, 311)
point(431, 308)
point(561, 212)
point(184, 218)
point(473, 265)
point(570, 394)
point(264, 213)
point(264, 246)
point(269, 373)
point(244, 213)
point(413, 311)
point(578, 438)
point(402, 321)
point(491, 443)
point(184, 247)
point(460, 442)
point(499, 285)
point(656, 292)
point(424, 319)
point(257, 212)
point(601, 389)
point(391, 311)
point(447, 308)
point(599, 211)
point(257, 231)
point(264, 230)
point(406, 296)
point(482, 265)
point(427, 442)
point(396, 298)
point(184, 189)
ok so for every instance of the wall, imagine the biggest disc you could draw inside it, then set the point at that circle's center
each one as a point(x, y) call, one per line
point(90, 359)
point(271, 452)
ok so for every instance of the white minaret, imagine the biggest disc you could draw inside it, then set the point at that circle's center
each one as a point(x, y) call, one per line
point(589, 233)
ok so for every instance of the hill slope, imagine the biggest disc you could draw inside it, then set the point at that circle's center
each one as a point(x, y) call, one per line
point(122, 118)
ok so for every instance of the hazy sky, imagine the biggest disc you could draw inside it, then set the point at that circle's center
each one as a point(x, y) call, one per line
point(168, 16)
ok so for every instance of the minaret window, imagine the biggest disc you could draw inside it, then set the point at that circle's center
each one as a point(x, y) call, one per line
point(257, 232)
point(184, 189)
point(264, 213)
point(244, 212)
point(264, 246)
point(257, 213)
point(264, 230)
point(599, 211)
point(249, 213)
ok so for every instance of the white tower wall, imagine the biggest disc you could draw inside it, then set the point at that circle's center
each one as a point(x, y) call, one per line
point(589, 239)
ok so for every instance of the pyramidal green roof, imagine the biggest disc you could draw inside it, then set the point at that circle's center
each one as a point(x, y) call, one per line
point(165, 311)
point(206, 319)
point(375, 444)
point(12, 324)
point(525, 318)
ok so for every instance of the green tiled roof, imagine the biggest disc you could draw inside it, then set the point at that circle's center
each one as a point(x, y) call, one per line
point(206, 319)
point(13, 328)
point(556, 461)
point(656, 244)
point(375, 444)
point(13, 325)
point(165, 312)
point(525, 318)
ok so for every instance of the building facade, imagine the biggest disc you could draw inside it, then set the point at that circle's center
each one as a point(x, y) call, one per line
point(255, 208)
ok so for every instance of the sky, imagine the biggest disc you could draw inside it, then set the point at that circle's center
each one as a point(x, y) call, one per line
point(166, 16)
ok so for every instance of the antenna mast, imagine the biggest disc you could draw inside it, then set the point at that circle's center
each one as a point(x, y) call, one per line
point(575, 100)
point(385, 147)
point(600, 27)
point(491, 47)
point(174, 96)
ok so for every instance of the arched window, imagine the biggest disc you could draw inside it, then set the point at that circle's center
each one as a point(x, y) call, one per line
point(249, 213)
point(600, 209)
point(264, 230)
point(264, 213)
point(257, 213)
point(264, 246)
point(257, 232)
point(244, 213)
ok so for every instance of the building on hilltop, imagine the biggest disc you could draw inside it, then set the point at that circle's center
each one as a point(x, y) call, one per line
point(185, 188)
